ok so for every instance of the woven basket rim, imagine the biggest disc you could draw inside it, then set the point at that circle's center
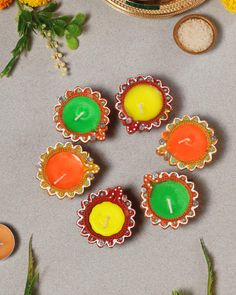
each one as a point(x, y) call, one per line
point(168, 9)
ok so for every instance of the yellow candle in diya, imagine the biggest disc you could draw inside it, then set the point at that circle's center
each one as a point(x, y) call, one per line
point(168, 199)
point(66, 170)
point(7, 242)
point(188, 143)
point(143, 103)
point(106, 218)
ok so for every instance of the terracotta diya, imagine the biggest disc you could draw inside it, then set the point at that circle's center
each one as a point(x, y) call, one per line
point(188, 143)
point(143, 103)
point(107, 217)
point(82, 114)
point(168, 199)
point(66, 170)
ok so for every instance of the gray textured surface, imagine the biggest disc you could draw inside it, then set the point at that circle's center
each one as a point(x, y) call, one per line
point(154, 261)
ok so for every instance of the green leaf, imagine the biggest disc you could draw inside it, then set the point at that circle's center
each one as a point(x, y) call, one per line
point(33, 275)
point(21, 24)
point(211, 273)
point(21, 46)
point(46, 14)
point(59, 31)
point(72, 42)
point(65, 18)
point(79, 19)
point(74, 30)
point(51, 7)
point(174, 292)
point(26, 15)
point(59, 22)
point(45, 21)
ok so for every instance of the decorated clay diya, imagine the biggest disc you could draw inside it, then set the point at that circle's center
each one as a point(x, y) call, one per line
point(82, 115)
point(168, 199)
point(188, 143)
point(106, 218)
point(65, 170)
point(143, 103)
point(7, 242)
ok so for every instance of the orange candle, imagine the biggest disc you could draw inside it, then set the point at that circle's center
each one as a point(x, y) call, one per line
point(7, 242)
point(188, 143)
point(65, 170)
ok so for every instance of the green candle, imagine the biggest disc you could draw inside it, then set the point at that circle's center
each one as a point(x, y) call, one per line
point(169, 199)
point(81, 114)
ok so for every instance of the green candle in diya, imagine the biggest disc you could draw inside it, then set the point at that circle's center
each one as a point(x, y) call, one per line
point(82, 115)
point(168, 199)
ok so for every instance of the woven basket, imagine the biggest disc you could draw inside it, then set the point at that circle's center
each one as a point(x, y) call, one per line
point(167, 9)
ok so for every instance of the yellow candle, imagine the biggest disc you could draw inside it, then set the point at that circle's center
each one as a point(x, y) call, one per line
point(107, 219)
point(143, 102)
point(7, 242)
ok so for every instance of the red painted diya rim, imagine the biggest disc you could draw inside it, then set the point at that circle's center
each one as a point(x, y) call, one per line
point(133, 126)
point(100, 133)
point(88, 174)
point(146, 194)
point(116, 196)
point(200, 163)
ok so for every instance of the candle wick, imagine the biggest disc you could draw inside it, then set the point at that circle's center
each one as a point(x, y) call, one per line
point(106, 222)
point(185, 140)
point(1, 244)
point(59, 179)
point(79, 116)
point(170, 205)
point(141, 107)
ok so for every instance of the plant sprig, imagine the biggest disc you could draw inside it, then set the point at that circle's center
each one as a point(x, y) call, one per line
point(211, 273)
point(46, 22)
point(33, 275)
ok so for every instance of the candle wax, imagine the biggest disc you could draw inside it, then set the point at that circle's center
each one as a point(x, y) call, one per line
point(64, 170)
point(143, 102)
point(169, 199)
point(81, 114)
point(188, 142)
point(7, 242)
point(107, 219)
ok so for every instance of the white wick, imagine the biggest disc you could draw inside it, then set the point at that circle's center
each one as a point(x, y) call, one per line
point(140, 105)
point(1, 244)
point(170, 205)
point(79, 116)
point(185, 140)
point(106, 222)
point(59, 179)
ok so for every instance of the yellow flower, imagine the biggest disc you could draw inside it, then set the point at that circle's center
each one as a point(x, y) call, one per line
point(35, 3)
point(230, 5)
point(5, 3)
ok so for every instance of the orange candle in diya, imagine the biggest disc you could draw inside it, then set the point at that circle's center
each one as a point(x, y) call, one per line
point(82, 115)
point(106, 218)
point(65, 170)
point(7, 242)
point(188, 143)
point(169, 200)
point(143, 103)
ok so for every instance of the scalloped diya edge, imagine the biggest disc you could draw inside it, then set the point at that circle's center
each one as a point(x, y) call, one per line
point(146, 193)
point(88, 175)
point(100, 133)
point(212, 140)
point(133, 126)
point(116, 196)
